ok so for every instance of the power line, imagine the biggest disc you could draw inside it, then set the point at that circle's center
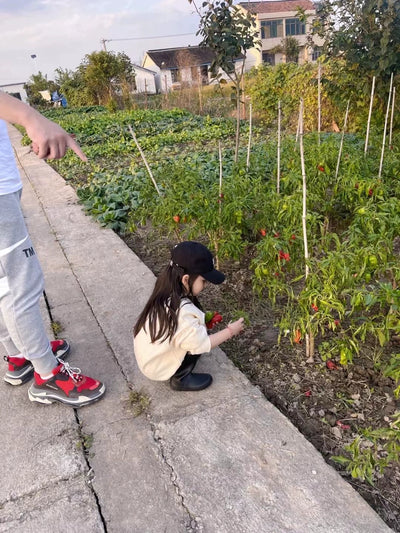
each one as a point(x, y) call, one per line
point(142, 38)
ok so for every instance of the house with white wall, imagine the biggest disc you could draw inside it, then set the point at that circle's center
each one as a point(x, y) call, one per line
point(15, 89)
point(276, 20)
point(145, 80)
point(177, 68)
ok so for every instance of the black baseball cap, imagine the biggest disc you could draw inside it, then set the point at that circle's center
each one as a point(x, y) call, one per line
point(195, 258)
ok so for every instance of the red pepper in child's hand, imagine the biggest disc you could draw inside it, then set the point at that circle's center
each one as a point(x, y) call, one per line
point(212, 318)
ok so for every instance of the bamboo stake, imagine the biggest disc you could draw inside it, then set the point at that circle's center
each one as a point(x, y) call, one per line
point(278, 156)
point(319, 103)
point(144, 159)
point(369, 115)
point(342, 139)
point(297, 132)
point(309, 337)
point(391, 118)
point(384, 129)
point(220, 177)
point(250, 133)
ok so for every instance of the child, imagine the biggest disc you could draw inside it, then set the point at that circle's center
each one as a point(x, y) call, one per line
point(170, 334)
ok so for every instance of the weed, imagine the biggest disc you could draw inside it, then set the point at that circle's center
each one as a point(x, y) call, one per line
point(138, 402)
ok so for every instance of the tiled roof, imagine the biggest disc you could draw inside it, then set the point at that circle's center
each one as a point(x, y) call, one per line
point(280, 6)
point(173, 57)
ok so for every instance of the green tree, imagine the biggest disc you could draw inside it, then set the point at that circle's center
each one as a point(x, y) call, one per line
point(365, 32)
point(107, 77)
point(73, 87)
point(230, 33)
point(290, 48)
point(35, 84)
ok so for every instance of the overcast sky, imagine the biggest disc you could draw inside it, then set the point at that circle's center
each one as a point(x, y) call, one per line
point(61, 32)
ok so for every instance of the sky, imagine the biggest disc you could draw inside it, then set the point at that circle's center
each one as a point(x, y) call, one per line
point(61, 32)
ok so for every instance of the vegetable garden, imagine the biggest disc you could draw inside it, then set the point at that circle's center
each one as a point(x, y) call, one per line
point(347, 303)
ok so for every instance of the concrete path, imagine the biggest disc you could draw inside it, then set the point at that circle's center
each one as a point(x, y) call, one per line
point(220, 461)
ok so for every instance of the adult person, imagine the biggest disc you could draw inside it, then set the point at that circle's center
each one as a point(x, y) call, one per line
point(22, 331)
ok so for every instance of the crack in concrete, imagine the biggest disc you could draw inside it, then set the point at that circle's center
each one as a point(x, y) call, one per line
point(90, 476)
point(194, 524)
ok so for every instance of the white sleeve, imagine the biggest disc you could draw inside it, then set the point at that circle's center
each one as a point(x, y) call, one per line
point(191, 334)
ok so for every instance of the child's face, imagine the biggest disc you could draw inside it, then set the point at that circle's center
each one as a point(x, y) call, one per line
point(197, 286)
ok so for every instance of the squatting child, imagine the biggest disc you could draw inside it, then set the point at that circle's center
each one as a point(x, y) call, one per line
point(170, 333)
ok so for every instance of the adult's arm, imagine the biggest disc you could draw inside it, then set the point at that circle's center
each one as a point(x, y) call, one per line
point(49, 140)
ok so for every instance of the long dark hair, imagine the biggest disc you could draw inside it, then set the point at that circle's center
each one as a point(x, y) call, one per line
point(162, 308)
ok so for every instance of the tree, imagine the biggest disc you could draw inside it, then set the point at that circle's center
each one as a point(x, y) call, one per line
point(107, 76)
point(36, 83)
point(290, 48)
point(366, 33)
point(72, 86)
point(230, 33)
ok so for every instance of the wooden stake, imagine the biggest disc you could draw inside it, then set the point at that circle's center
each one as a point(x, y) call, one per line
point(278, 155)
point(250, 133)
point(342, 139)
point(391, 117)
point(309, 337)
point(369, 115)
point(384, 129)
point(319, 103)
point(144, 159)
point(220, 177)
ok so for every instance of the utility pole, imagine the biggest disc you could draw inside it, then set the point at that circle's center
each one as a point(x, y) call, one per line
point(103, 42)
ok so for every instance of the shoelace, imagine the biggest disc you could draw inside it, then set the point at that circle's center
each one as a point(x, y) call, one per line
point(74, 373)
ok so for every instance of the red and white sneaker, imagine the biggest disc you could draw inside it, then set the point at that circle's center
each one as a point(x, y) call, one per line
point(67, 386)
point(20, 370)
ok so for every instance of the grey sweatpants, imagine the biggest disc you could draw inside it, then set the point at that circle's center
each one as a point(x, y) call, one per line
point(21, 284)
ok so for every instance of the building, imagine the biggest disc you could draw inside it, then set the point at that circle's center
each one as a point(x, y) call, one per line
point(145, 80)
point(15, 89)
point(182, 67)
point(275, 21)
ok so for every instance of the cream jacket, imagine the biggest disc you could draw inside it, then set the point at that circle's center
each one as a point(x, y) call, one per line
point(160, 360)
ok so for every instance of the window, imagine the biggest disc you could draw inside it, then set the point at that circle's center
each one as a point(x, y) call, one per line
point(271, 29)
point(295, 27)
point(204, 74)
point(317, 51)
point(174, 75)
point(268, 58)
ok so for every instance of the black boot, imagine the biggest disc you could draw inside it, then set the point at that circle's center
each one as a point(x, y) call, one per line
point(184, 380)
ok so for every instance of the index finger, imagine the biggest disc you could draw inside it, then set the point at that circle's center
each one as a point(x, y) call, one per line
point(76, 148)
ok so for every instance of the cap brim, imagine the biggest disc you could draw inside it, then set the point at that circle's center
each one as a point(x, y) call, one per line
point(215, 276)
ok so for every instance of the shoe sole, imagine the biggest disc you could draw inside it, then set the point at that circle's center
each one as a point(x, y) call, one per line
point(27, 375)
point(47, 398)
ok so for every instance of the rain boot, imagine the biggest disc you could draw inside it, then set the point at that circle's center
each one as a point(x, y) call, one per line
point(184, 380)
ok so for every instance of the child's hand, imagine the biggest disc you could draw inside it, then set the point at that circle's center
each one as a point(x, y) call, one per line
point(236, 327)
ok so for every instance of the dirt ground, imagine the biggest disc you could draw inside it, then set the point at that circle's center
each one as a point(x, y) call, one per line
point(326, 405)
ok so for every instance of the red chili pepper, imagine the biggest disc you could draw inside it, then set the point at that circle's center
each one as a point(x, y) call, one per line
point(263, 232)
point(277, 235)
point(370, 192)
point(330, 365)
point(297, 336)
point(308, 393)
point(293, 237)
point(321, 168)
point(284, 256)
point(216, 317)
point(314, 307)
point(176, 218)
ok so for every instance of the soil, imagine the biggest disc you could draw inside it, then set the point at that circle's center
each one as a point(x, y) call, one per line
point(326, 405)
